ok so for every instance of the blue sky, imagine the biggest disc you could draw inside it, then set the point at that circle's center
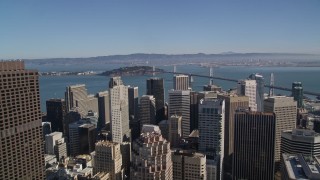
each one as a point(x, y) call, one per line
point(77, 28)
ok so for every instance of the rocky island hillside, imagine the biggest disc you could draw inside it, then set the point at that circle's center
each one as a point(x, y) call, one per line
point(131, 71)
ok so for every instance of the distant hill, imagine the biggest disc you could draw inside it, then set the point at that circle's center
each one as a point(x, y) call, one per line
point(131, 71)
point(141, 58)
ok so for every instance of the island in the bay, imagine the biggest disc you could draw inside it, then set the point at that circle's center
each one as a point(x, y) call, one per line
point(132, 71)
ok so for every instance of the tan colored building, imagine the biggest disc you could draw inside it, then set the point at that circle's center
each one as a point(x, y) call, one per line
point(77, 98)
point(188, 165)
point(151, 156)
point(285, 109)
point(181, 82)
point(21, 149)
point(107, 158)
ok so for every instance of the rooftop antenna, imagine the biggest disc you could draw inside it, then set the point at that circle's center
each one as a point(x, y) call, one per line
point(153, 70)
point(211, 75)
point(174, 69)
point(271, 90)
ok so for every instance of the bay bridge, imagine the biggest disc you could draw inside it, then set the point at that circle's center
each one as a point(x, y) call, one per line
point(233, 80)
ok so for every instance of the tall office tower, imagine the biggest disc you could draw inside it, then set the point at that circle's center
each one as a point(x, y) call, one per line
point(134, 123)
point(188, 165)
point(155, 87)
point(20, 123)
point(119, 110)
point(133, 98)
point(46, 129)
point(56, 112)
point(194, 108)
point(71, 117)
point(259, 90)
point(87, 138)
point(248, 88)
point(179, 104)
point(107, 158)
point(300, 141)
point(285, 109)
point(254, 137)
point(76, 96)
point(211, 128)
point(104, 109)
point(147, 113)
point(125, 149)
point(151, 156)
point(82, 137)
point(175, 132)
point(232, 103)
point(181, 82)
point(297, 93)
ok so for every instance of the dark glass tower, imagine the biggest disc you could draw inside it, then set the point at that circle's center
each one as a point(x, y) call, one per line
point(133, 98)
point(254, 142)
point(56, 112)
point(297, 93)
point(155, 87)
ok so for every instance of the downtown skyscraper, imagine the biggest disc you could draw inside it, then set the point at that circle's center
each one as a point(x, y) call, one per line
point(248, 88)
point(21, 151)
point(254, 142)
point(119, 110)
point(179, 104)
point(181, 82)
point(155, 87)
point(285, 109)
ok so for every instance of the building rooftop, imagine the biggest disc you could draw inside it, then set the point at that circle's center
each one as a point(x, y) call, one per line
point(106, 143)
point(147, 128)
point(54, 133)
point(77, 85)
point(301, 167)
point(188, 153)
point(194, 133)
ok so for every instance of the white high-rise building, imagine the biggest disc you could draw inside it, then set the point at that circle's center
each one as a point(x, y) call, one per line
point(248, 88)
point(179, 104)
point(119, 110)
point(51, 141)
point(211, 128)
point(147, 113)
point(181, 82)
point(151, 156)
point(55, 144)
point(107, 158)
